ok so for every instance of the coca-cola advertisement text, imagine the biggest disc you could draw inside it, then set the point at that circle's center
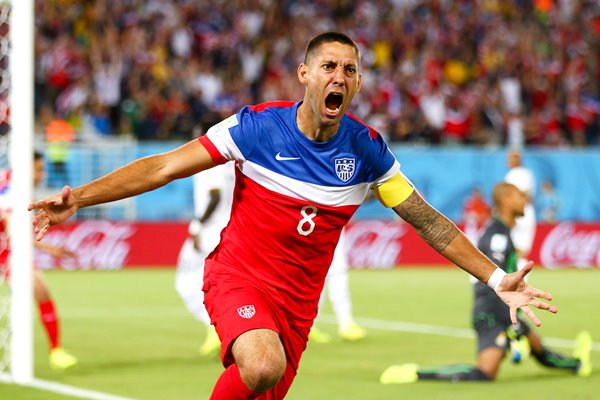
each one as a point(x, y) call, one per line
point(388, 244)
point(109, 245)
point(567, 244)
point(372, 244)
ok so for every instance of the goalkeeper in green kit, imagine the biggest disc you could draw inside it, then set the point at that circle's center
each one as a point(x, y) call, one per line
point(495, 332)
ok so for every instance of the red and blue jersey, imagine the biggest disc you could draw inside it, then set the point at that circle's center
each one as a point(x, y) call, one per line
point(292, 196)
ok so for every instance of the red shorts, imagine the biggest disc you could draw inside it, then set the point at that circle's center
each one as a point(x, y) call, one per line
point(236, 305)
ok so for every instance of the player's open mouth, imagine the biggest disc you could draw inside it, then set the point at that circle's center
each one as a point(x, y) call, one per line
point(333, 102)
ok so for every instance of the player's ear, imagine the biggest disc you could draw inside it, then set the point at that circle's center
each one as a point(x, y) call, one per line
point(302, 72)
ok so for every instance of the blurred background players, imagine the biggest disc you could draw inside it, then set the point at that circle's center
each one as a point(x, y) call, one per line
point(476, 212)
point(59, 358)
point(523, 232)
point(213, 196)
point(337, 289)
point(490, 317)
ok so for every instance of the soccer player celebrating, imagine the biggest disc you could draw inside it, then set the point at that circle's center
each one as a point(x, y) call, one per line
point(302, 170)
point(490, 314)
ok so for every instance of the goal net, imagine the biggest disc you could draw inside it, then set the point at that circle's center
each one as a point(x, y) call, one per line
point(4, 168)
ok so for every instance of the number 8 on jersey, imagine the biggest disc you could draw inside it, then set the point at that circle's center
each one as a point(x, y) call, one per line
point(308, 219)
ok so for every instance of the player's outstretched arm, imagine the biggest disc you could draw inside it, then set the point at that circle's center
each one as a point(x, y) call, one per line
point(441, 234)
point(138, 177)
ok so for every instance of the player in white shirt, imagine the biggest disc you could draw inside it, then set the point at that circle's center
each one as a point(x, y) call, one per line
point(338, 291)
point(524, 231)
point(213, 195)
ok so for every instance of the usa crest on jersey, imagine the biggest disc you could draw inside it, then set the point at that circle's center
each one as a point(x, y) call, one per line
point(246, 311)
point(344, 168)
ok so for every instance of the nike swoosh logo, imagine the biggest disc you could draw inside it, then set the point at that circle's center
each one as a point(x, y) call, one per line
point(279, 157)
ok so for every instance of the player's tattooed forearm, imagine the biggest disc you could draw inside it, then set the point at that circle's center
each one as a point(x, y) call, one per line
point(433, 227)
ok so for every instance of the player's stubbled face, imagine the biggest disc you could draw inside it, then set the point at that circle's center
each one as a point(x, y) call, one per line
point(332, 80)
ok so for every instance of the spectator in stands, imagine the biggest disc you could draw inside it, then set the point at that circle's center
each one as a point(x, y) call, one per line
point(59, 135)
point(447, 60)
point(549, 203)
point(476, 212)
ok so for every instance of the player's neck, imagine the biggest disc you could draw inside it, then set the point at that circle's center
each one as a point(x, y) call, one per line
point(507, 218)
point(307, 124)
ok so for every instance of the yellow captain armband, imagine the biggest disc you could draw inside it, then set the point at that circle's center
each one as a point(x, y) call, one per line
point(393, 191)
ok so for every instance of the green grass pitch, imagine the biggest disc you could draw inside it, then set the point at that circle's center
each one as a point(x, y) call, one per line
point(134, 338)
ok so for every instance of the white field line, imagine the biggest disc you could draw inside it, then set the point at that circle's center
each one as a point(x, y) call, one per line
point(65, 389)
point(413, 327)
point(397, 326)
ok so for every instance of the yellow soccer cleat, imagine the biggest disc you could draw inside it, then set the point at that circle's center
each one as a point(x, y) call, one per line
point(405, 373)
point(61, 360)
point(583, 348)
point(212, 343)
point(352, 332)
point(519, 346)
point(318, 336)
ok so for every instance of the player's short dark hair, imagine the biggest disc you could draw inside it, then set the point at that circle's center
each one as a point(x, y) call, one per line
point(329, 37)
point(500, 190)
point(37, 155)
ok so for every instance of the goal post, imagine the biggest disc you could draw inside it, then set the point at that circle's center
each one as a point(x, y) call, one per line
point(16, 93)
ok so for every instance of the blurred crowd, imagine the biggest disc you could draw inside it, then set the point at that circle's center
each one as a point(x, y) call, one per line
point(451, 72)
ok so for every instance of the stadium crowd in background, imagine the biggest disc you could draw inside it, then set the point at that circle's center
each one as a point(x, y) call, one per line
point(440, 72)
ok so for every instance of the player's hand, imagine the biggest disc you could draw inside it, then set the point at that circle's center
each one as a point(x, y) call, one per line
point(517, 294)
point(52, 210)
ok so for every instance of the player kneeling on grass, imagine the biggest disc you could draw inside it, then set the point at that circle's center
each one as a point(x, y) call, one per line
point(490, 314)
